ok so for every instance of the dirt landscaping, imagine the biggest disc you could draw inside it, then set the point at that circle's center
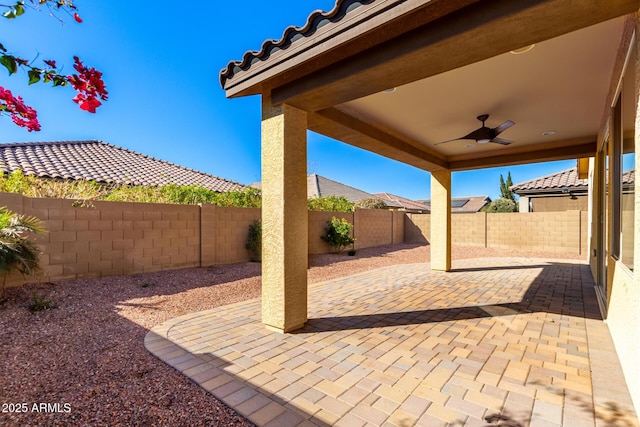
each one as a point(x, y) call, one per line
point(83, 362)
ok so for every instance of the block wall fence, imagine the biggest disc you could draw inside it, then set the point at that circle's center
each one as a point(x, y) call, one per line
point(556, 232)
point(112, 238)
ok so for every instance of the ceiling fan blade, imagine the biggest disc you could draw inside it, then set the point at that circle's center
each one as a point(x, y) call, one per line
point(501, 141)
point(506, 125)
point(450, 140)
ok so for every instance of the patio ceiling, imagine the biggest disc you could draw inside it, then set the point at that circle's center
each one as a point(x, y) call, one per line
point(450, 62)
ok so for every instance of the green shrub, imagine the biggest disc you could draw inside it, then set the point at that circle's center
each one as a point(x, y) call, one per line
point(39, 303)
point(330, 204)
point(501, 205)
point(254, 240)
point(17, 252)
point(338, 234)
point(84, 192)
point(371, 204)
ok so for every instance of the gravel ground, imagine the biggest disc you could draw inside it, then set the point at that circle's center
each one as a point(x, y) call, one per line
point(85, 356)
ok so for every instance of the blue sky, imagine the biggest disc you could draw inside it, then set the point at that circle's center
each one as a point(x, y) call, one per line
point(161, 63)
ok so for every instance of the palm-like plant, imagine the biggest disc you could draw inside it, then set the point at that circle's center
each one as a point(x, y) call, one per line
point(17, 252)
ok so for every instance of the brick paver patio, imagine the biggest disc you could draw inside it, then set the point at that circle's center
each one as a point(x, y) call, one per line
point(497, 341)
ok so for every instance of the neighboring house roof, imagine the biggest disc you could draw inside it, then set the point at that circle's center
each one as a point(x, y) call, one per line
point(410, 205)
point(554, 182)
point(557, 182)
point(102, 162)
point(464, 204)
point(319, 186)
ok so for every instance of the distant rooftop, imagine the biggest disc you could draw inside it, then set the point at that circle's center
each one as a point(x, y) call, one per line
point(320, 186)
point(464, 204)
point(402, 202)
point(102, 162)
point(555, 181)
point(559, 180)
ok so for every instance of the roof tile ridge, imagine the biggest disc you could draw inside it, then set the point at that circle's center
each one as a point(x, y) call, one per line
point(288, 35)
point(545, 176)
point(317, 184)
point(46, 143)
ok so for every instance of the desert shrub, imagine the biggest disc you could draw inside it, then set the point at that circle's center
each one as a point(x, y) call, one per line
point(254, 240)
point(33, 186)
point(330, 204)
point(371, 204)
point(338, 234)
point(501, 205)
point(86, 191)
point(39, 303)
point(247, 198)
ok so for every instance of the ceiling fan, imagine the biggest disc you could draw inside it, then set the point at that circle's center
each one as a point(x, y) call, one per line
point(484, 134)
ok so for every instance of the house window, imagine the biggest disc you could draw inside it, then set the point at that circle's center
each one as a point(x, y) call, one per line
point(627, 209)
point(626, 172)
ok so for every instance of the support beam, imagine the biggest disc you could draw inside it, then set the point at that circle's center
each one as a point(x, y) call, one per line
point(441, 220)
point(284, 217)
point(540, 155)
point(342, 126)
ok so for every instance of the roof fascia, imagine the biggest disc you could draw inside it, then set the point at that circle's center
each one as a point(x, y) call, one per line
point(323, 43)
point(464, 36)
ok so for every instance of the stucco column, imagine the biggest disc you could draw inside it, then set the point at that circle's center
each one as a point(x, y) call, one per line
point(284, 217)
point(441, 220)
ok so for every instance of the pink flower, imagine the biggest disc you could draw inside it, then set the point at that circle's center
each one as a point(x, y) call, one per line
point(21, 114)
point(89, 85)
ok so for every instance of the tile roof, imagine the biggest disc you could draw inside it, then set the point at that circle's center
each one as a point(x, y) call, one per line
point(555, 181)
point(291, 34)
point(319, 186)
point(402, 202)
point(102, 162)
point(464, 204)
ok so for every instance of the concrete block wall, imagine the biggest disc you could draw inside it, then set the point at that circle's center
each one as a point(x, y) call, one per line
point(398, 227)
point(373, 227)
point(417, 228)
point(231, 232)
point(557, 232)
point(111, 238)
point(317, 226)
point(469, 229)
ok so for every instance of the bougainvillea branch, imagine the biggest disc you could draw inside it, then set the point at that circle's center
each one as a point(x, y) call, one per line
point(87, 81)
point(21, 114)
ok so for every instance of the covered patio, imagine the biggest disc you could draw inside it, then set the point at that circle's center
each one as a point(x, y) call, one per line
point(496, 341)
point(546, 80)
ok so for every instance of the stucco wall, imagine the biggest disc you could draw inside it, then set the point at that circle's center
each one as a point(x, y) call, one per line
point(559, 204)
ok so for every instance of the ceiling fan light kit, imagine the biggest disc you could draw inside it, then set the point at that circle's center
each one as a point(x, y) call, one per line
point(523, 49)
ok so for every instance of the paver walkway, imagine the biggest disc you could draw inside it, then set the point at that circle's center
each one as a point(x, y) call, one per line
point(498, 341)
